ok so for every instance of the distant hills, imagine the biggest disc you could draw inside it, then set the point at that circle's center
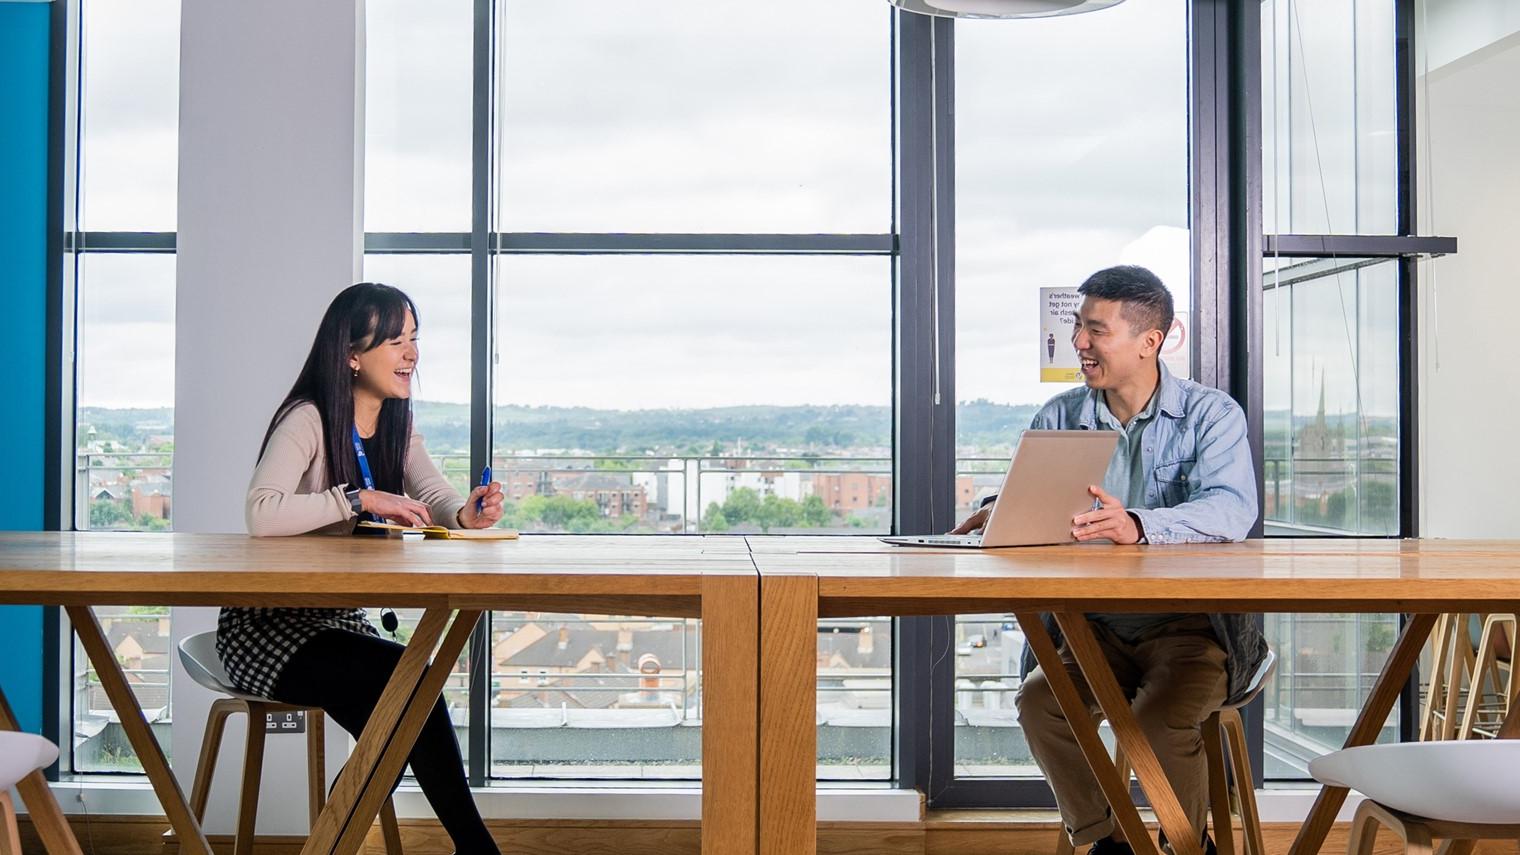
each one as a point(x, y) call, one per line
point(830, 429)
point(981, 426)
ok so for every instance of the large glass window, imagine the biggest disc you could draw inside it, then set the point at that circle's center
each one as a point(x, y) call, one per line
point(124, 353)
point(1329, 163)
point(695, 116)
point(1052, 184)
point(1331, 333)
point(417, 78)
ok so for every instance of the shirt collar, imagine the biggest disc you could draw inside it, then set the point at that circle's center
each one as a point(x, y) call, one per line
point(1168, 399)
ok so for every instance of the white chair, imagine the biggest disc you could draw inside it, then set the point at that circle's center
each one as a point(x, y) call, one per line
point(1459, 791)
point(198, 654)
point(21, 754)
point(1224, 739)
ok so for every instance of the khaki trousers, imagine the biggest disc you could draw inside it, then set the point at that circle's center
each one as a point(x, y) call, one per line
point(1175, 679)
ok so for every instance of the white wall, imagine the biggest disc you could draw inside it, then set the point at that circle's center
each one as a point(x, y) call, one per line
point(1452, 29)
point(270, 183)
point(1469, 184)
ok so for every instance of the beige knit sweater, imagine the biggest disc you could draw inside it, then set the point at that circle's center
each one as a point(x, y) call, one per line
point(289, 493)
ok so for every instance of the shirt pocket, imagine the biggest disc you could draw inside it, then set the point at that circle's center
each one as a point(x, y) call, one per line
point(1173, 482)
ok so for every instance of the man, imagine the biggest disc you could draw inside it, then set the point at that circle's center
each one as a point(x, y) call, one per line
point(1182, 473)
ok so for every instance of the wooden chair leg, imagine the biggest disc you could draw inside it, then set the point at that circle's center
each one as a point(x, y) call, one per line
point(10, 834)
point(1435, 691)
point(211, 744)
point(1455, 846)
point(1364, 828)
point(1219, 785)
point(389, 828)
point(316, 764)
point(1459, 669)
point(1484, 668)
point(253, 769)
point(1245, 786)
point(1417, 840)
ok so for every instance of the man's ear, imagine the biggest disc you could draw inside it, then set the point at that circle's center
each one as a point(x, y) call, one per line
point(1153, 341)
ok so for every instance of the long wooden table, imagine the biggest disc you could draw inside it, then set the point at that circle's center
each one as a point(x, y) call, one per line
point(803, 579)
point(759, 739)
point(453, 582)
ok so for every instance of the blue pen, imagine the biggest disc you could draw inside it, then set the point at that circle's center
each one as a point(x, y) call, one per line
point(485, 481)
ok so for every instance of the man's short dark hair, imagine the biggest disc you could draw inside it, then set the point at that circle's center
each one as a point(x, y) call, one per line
point(1145, 302)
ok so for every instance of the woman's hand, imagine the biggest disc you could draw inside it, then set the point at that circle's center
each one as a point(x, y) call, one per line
point(397, 509)
point(491, 501)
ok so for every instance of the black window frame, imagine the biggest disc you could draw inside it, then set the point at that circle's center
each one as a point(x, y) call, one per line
point(1225, 172)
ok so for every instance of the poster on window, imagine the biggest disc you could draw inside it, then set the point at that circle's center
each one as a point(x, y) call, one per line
point(1058, 358)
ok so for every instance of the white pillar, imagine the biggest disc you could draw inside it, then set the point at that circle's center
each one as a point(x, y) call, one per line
point(270, 228)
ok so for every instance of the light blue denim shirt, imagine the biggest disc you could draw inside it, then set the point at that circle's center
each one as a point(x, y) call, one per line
point(1199, 485)
point(1199, 482)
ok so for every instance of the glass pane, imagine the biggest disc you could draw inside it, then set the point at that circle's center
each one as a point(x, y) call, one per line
point(1331, 445)
point(1331, 386)
point(129, 149)
point(588, 696)
point(657, 394)
point(1329, 148)
point(139, 636)
point(1327, 665)
point(988, 741)
point(855, 699)
point(125, 394)
point(418, 84)
point(644, 394)
point(1054, 183)
point(439, 285)
point(695, 116)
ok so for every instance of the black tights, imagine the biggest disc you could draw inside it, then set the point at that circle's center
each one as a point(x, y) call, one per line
point(344, 673)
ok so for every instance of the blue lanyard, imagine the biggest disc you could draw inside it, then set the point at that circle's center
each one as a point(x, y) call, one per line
point(369, 481)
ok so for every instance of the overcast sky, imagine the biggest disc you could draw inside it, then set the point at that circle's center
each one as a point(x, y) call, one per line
point(692, 116)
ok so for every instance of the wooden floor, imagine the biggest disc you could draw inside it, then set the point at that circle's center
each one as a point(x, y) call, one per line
point(942, 833)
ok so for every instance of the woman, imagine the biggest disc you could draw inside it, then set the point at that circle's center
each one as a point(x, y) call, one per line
point(341, 448)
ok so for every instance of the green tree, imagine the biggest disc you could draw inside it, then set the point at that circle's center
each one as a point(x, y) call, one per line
point(742, 506)
point(148, 522)
point(776, 512)
point(108, 513)
point(815, 514)
point(713, 520)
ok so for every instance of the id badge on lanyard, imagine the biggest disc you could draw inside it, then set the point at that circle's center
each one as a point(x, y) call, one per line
point(364, 472)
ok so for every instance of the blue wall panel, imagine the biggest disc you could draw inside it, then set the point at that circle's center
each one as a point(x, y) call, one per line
point(24, 29)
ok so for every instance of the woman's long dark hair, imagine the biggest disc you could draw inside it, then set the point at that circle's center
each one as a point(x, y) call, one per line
point(361, 318)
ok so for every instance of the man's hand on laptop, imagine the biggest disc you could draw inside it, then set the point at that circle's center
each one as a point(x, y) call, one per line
point(1110, 522)
point(974, 522)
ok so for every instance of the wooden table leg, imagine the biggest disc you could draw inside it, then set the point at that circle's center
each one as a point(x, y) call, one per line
point(192, 840)
point(788, 715)
point(43, 809)
point(1390, 683)
point(391, 763)
point(1084, 647)
point(377, 734)
point(1115, 788)
point(730, 714)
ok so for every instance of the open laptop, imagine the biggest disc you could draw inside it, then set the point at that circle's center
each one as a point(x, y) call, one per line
point(1045, 487)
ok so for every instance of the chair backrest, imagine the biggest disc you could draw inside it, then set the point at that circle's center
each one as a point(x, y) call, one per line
point(1258, 681)
point(198, 654)
point(22, 754)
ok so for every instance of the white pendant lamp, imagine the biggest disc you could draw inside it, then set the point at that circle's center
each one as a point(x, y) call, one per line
point(1002, 8)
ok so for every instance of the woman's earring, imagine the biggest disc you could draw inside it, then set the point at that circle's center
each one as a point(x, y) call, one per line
point(356, 373)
